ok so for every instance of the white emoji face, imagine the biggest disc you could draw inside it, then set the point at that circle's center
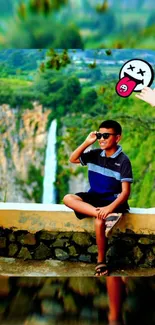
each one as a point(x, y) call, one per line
point(135, 75)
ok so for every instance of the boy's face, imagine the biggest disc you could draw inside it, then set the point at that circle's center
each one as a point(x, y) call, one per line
point(111, 139)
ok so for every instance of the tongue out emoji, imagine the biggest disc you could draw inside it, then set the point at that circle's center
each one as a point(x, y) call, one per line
point(134, 76)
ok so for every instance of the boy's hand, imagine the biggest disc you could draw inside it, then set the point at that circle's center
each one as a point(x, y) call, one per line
point(103, 212)
point(91, 138)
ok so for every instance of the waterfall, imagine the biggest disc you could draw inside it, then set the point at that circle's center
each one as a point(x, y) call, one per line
point(49, 195)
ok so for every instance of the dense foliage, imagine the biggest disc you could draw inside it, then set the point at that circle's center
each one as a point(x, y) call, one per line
point(80, 96)
point(77, 24)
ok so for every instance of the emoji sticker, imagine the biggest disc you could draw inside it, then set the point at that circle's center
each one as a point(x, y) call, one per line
point(134, 76)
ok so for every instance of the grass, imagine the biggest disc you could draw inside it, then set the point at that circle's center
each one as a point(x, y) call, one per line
point(14, 83)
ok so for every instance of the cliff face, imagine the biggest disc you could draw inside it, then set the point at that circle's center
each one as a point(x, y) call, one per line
point(22, 144)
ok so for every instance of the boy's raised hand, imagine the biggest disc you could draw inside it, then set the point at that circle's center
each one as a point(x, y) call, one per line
point(147, 95)
point(91, 138)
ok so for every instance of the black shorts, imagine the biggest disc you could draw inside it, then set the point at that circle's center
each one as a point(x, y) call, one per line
point(98, 200)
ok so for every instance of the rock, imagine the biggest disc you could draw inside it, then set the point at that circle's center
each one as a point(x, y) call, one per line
point(124, 261)
point(61, 254)
point(48, 291)
point(45, 235)
point(70, 305)
point(129, 231)
point(13, 249)
point(153, 250)
point(20, 305)
point(143, 265)
point(72, 251)
point(2, 232)
point(150, 259)
point(82, 239)
point(12, 237)
point(42, 252)
point(24, 152)
point(29, 282)
point(51, 307)
point(137, 254)
point(3, 308)
point(113, 239)
point(65, 235)
point(59, 243)
point(86, 313)
point(112, 252)
point(25, 254)
point(85, 258)
point(2, 242)
point(146, 241)
point(92, 249)
point(129, 241)
point(84, 286)
point(101, 301)
point(28, 239)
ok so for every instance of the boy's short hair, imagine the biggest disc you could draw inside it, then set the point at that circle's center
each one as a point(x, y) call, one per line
point(111, 124)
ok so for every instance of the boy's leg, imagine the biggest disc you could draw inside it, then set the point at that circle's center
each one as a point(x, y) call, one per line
point(101, 243)
point(100, 238)
point(115, 288)
point(76, 203)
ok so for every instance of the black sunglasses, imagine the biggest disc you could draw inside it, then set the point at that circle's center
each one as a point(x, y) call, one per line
point(104, 135)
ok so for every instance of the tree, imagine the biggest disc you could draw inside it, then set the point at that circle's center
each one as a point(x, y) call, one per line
point(72, 87)
point(68, 37)
point(47, 82)
point(89, 99)
point(34, 32)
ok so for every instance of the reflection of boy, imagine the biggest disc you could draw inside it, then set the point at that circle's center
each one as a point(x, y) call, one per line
point(147, 95)
point(110, 175)
point(116, 293)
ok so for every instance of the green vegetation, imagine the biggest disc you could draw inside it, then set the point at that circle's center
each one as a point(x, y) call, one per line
point(7, 149)
point(77, 24)
point(81, 95)
point(35, 181)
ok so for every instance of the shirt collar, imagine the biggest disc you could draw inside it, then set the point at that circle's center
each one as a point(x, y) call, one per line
point(115, 154)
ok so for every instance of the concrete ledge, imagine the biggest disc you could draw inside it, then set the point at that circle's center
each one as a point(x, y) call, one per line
point(54, 268)
point(41, 232)
point(57, 217)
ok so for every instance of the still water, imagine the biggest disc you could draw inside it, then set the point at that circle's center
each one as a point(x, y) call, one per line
point(36, 320)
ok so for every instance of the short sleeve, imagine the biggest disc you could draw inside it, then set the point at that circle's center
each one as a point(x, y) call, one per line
point(86, 157)
point(126, 171)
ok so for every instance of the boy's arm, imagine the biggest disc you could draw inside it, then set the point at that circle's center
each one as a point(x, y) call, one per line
point(123, 196)
point(74, 157)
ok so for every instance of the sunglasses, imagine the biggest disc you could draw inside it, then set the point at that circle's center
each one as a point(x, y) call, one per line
point(104, 135)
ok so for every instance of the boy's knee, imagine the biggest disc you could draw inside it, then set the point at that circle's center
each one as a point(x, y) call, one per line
point(66, 198)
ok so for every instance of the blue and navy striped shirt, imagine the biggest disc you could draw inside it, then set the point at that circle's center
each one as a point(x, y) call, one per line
point(107, 173)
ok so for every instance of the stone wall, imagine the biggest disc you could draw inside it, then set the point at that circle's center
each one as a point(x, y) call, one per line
point(54, 232)
point(123, 250)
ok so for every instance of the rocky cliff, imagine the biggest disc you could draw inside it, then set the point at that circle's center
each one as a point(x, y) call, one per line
point(23, 139)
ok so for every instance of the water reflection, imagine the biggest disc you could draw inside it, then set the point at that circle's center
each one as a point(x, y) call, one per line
point(36, 320)
point(74, 301)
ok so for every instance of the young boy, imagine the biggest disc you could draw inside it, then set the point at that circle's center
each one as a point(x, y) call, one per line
point(110, 175)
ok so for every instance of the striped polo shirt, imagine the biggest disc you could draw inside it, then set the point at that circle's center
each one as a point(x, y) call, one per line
point(107, 173)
